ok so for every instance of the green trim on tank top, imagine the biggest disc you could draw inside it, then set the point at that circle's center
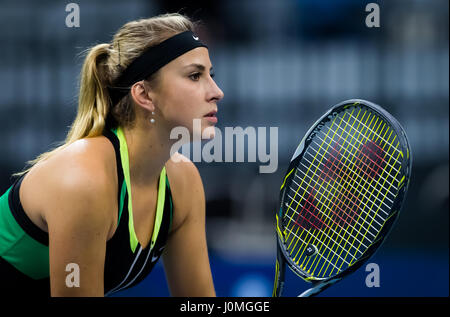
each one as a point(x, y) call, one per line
point(15, 244)
point(161, 193)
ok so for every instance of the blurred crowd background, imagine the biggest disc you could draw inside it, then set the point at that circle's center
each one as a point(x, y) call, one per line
point(280, 63)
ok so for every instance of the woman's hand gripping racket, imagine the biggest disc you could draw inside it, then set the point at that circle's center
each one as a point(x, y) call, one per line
point(343, 190)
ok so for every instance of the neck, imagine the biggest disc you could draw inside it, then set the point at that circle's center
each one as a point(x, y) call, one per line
point(148, 151)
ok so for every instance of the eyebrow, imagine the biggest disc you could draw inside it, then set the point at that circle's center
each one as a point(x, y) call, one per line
point(199, 67)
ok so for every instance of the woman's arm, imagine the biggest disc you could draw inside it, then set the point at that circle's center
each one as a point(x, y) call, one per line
point(185, 258)
point(78, 220)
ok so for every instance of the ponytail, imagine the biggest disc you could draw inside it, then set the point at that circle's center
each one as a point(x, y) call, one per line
point(93, 101)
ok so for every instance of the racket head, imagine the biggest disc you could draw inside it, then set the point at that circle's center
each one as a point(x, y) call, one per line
point(343, 190)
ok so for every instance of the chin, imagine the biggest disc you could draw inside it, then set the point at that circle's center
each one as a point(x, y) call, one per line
point(208, 133)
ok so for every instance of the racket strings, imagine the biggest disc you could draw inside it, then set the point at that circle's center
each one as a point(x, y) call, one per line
point(312, 179)
point(308, 233)
point(362, 173)
point(347, 186)
point(369, 161)
point(389, 143)
point(378, 136)
point(315, 240)
point(333, 165)
point(357, 131)
point(347, 194)
point(370, 155)
point(339, 168)
point(307, 218)
point(390, 155)
point(360, 176)
point(296, 191)
point(375, 156)
point(363, 160)
point(335, 204)
point(312, 224)
point(385, 194)
point(325, 259)
point(328, 208)
point(358, 160)
point(349, 200)
point(331, 171)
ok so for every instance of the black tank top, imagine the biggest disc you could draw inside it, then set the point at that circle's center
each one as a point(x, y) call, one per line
point(24, 262)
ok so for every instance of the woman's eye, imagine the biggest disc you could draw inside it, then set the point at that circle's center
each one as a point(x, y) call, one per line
point(195, 76)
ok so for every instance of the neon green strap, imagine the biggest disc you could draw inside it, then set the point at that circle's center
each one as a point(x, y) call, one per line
point(161, 194)
point(160, 205)
point(126, 172)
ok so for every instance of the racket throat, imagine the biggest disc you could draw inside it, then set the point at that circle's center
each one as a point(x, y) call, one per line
point(319, 287)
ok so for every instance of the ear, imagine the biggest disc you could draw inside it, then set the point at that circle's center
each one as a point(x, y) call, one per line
point(141, 96)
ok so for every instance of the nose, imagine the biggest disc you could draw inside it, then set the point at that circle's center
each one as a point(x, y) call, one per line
point(215, 93)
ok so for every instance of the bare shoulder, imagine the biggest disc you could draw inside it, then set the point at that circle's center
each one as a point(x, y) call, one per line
point(78, 211)
point(182, 172)
point(82, 174)
point(186, 186)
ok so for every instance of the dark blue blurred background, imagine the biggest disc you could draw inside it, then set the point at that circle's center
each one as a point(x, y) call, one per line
point(281, 64)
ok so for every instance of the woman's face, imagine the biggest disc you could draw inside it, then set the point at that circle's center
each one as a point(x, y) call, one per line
point(186, 91)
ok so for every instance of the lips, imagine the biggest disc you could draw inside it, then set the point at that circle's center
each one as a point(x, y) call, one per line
point(211, 114)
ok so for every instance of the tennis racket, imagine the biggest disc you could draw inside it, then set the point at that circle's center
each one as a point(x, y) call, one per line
point(343, 191)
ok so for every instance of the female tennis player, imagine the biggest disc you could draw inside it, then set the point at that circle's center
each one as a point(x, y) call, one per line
point(92, 216)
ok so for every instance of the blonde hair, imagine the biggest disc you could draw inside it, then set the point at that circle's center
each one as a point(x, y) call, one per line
point(103, 64)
